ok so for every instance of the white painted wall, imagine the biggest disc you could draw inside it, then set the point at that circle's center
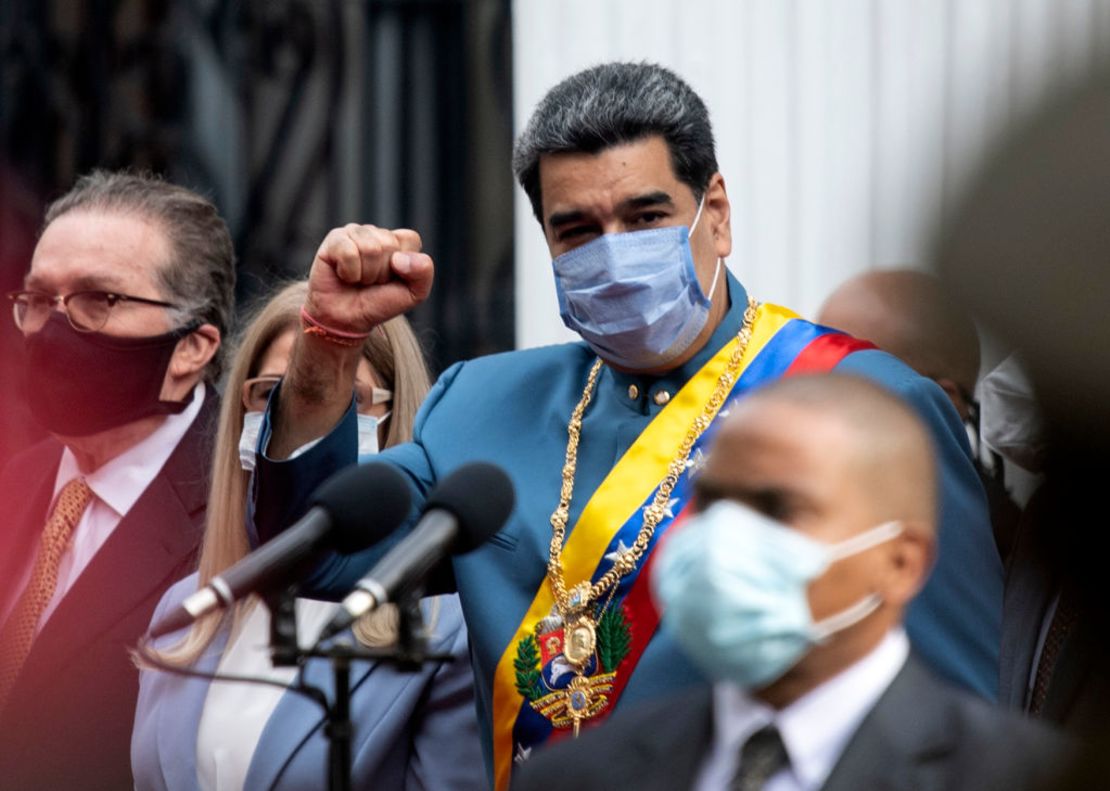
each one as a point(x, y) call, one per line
point(844, 127)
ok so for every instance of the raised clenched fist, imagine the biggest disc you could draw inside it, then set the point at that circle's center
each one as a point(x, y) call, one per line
point(363, 275)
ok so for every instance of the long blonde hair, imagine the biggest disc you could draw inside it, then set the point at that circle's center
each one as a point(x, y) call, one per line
point(398, 362)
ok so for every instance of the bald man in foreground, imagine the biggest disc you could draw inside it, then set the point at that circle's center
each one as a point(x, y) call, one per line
point(816, 527)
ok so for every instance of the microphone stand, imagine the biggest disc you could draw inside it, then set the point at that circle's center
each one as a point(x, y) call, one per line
point(408, 655)
point(282, 604)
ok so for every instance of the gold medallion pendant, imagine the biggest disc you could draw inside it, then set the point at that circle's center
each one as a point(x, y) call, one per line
point(580, 642)
point(585, 650)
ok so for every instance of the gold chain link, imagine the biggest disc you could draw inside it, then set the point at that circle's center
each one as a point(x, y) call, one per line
point(653, 514)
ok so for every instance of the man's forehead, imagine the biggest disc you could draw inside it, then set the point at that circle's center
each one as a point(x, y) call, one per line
point(762, 431)
point(613, 174)
point(98, 251)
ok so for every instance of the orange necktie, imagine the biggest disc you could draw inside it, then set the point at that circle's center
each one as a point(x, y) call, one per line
point(19, 632)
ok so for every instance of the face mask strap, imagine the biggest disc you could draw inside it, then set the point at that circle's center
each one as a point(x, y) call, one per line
point(716, 273)
point(697, 216)
point(865, 541)
point(844, 619)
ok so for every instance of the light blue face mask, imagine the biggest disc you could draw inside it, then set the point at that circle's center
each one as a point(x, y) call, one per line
point(733, 583)
point(252, 425)
point(634, 297)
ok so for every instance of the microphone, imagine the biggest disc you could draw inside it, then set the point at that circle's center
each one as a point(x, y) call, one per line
point(462, 511)
point(351, 510)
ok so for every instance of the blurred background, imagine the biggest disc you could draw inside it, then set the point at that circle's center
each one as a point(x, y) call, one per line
point(846, 128)
point(294, 116)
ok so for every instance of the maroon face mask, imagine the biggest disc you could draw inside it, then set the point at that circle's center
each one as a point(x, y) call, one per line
point(82, 383)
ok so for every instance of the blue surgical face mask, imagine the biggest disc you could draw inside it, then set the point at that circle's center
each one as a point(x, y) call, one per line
point(248, 439)
point(368, 432)
point(634, 297)
point(252, 425)
point(733, 583)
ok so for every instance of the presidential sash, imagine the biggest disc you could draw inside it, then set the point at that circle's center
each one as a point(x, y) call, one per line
point(534, 688)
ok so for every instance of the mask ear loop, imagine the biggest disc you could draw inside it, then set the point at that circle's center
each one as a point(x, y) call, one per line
point(697, 216)
point(716, 273)
point(864, 541)
point(720, 261)
point(844, 619)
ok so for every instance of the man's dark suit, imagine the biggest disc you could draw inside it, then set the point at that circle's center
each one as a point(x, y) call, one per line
point(68, 719)
point(920, 735)
point(1078, 691)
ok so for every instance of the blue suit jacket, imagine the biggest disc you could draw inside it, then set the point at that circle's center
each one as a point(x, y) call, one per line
point(512, 409)
point(411, 730)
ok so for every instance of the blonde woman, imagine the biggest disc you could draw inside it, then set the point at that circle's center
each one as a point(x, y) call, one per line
point(412, 730)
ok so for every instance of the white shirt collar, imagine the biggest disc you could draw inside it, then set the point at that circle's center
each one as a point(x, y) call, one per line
point(817, 727)
point(119, 482)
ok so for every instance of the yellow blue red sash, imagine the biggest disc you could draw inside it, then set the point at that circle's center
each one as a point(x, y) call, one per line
point(530, 678)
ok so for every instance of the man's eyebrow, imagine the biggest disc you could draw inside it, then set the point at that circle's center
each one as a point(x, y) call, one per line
point(657, 198)
point(97, 282)
point(565, 217)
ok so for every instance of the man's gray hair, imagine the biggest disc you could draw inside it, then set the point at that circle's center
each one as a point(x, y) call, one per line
point(199, 278)
point(612, 104)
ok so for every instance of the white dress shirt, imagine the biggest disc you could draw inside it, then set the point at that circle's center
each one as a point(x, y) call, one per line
point(116, 485)
point(815, 728)
point(236, 713)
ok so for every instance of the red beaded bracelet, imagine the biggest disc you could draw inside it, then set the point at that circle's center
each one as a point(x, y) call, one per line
point(311, 326)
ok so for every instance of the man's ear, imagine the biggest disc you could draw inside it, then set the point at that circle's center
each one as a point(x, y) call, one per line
point(718, 213)
point(190, 357)
point(911, 557)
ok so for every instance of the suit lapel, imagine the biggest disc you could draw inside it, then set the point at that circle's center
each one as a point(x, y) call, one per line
point(897, 741)
point(1028, 593)
point(28, 489)
point(146, 552)
point(1074, 664)
point(296, 719)
point(179, 718)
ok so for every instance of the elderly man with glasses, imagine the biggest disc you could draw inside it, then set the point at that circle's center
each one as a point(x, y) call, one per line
point(128, 296)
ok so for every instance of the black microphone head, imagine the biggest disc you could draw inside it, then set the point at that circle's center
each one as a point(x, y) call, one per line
point(481, 497)
point(366, 502)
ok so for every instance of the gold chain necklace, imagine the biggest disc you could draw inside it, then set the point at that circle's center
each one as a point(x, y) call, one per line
point(580, 629)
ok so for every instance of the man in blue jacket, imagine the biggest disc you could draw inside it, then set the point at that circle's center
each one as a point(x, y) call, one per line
point(600, 437)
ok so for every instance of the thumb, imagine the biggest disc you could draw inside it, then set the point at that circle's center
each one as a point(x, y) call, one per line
point(417, 272)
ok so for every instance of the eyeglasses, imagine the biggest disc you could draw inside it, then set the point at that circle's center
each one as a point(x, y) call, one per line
point(87, 311)
point(256, 394)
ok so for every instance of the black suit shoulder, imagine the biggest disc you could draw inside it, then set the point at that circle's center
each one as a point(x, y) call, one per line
point(78, 685)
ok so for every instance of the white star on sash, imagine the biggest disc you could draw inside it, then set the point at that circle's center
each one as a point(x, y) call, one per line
point(615, 555)
point(668, 509)
point(726, 410)
point(522, 754)
point(695, 462)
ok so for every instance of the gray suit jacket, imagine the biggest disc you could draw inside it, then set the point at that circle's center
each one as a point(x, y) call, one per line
point(921, 735)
